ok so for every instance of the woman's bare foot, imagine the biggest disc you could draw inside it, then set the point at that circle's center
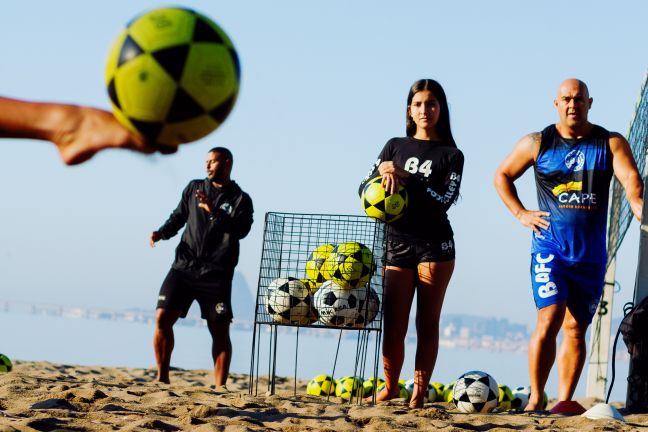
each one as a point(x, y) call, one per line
point(384, 395)
point(417, 400)
point(534, 406)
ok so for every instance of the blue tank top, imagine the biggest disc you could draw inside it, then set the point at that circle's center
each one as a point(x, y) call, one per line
point(573, 183)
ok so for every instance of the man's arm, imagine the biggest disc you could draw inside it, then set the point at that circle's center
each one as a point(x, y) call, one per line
point(625, 170)
point(240, 222)
point(512, 167)
point(176, 221)
point(78, 131)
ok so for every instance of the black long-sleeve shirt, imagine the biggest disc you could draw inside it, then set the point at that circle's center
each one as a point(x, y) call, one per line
point(433, 186)
point(210, 242)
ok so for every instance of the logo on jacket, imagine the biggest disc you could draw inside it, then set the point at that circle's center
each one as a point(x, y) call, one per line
point(227, 208)
point(575, 160)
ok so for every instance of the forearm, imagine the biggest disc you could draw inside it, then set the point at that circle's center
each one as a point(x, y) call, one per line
point(633, 187)
point(36, 120)
point(508, 193)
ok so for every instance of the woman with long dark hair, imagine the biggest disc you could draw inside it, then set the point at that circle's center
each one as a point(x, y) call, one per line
point(420, 254)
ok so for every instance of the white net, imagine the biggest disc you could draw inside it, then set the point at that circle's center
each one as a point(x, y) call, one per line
point(620, 214)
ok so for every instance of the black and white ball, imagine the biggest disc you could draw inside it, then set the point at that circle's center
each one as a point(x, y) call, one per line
point(475, 392)
point(521, 397)
point(337, 306)
point(288, 301)
point(368, 306)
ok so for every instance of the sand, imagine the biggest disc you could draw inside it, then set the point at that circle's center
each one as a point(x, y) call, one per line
point(48, 397)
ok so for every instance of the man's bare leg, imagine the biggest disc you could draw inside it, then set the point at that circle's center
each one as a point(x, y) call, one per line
point(571, 357)
point(221, 351)
point(163, 341)
point(542, 351)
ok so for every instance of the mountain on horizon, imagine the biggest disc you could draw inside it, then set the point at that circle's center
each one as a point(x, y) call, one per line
point(242, 299)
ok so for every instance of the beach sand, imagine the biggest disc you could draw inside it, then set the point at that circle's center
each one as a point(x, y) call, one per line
point(44, 396)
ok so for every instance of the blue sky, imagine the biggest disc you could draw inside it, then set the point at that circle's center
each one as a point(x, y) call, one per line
point(324, 86)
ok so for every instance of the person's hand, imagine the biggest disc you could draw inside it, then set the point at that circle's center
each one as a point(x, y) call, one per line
point(203, 202)
point(82, 131)
point(392, 176)
point(155, 236)
point(534, 219)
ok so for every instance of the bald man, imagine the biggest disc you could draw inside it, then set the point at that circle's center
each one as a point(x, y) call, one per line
point(573, 161)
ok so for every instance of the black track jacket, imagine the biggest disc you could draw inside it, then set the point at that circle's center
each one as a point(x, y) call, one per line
point(209, 242)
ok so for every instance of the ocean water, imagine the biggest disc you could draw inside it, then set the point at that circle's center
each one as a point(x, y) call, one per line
point(129, 344)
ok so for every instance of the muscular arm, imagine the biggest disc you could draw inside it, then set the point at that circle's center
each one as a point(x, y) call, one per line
point(512, 167)
point(625, 170)
point(78, 131)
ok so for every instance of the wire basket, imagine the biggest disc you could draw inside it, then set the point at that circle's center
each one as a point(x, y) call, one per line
point(321, 271)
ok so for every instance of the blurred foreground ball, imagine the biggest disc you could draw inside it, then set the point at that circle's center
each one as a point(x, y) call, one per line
point(172, 76)
point(5, 364)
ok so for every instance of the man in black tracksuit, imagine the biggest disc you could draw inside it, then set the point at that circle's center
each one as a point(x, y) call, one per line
point(217, 214)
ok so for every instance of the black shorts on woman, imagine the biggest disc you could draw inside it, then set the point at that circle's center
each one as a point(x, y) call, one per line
point(409, 254)
point(424, 233)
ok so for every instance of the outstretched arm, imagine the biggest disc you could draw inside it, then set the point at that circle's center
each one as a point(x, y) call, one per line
point(625, 170)
point(78, 131)
point(514, 165)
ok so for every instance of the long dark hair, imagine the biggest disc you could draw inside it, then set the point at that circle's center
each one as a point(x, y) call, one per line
point(443, 125)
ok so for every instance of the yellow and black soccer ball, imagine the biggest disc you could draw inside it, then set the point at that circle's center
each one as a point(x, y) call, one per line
point(172, 76)
point(314, 265)
point(505, 399)
point(370, 385)
point(438, 386)
point(350, 265)
point(379, 204)
point(321, 385)
point(5, 364)
point(349, 387)
point(447, 391)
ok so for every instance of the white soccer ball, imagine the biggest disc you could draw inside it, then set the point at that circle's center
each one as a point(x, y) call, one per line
point(337, 306)
point(475, 392)
point(288, 301)
point(521, 397)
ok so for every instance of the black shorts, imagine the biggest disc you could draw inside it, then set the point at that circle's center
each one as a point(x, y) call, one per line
point(213, 292)
point(410, 253)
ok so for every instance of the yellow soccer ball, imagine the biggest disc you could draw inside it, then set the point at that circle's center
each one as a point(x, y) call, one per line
point(350, 265)
point(5, 364)
point(505, 399)
point(349, 387)
point(314, 265)
point(321, 385)
point(379, 204)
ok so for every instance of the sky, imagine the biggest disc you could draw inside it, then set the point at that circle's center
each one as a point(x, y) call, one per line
point(324, 86)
